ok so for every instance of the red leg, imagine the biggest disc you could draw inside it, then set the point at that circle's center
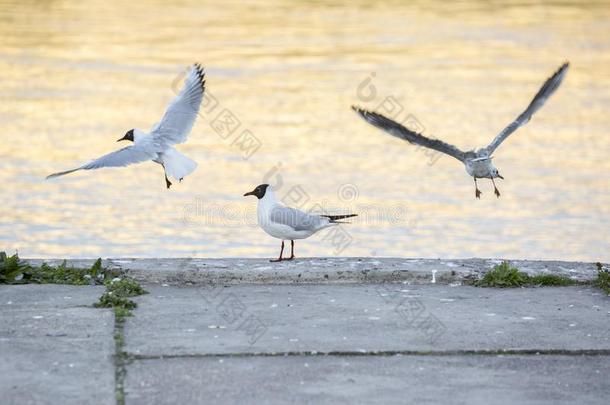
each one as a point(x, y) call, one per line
point(279, 259)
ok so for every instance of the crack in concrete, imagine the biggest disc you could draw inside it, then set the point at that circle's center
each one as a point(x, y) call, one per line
point(120, 360)
point(503, 352)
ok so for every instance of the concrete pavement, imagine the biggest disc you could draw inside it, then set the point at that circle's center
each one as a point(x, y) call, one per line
point(54, 347)
point(379, 343)
point(365, 318)
point(371, 380)
point(345, 338)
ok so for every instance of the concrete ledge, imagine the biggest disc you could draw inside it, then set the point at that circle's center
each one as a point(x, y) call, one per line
point(186, 271)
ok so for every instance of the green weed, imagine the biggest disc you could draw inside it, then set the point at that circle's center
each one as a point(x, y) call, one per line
point(603, 278)
point(505, 276)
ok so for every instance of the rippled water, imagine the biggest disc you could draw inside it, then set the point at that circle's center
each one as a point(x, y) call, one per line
point(75, 76)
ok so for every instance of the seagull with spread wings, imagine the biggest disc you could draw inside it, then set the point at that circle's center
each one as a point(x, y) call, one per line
point(478, 162)
point(288, 223)
point(174, 127)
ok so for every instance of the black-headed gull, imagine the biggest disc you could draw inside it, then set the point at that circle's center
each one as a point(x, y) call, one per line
point(157, 146)
point(287, 223)
point(477, 162)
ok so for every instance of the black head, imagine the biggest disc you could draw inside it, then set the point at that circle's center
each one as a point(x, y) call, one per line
point(259, 191)
point(128, 136)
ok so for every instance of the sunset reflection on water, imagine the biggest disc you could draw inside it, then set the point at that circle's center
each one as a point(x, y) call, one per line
point(76, 76)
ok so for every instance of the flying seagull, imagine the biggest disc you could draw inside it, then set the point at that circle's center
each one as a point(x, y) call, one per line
point(157, 146)
point(478, 162)
point(287, 223)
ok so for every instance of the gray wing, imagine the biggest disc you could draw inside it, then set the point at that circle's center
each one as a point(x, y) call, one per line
point(180, 116)
point(297, 220)
point(122, 157)
point(548, 88)
point(399, 131)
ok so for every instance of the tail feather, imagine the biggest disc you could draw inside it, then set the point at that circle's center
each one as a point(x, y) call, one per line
point(177, 165)
point(51, 176)
point(334, 218)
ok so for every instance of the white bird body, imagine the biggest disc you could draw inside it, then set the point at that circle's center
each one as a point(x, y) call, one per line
point(176, 164)
point(481, 168)
point(157, 145)
point(286, 223)
point(269, 211)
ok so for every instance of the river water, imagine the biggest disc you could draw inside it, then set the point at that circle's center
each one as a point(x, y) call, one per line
point(75, 76)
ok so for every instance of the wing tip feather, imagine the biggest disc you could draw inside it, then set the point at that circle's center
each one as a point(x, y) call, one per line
point(58, 174)
point(200, 72)
point(562, 69)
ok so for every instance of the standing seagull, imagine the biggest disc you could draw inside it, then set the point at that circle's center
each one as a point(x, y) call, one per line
point(478, 162)
point(173, 128)
point(287, 223)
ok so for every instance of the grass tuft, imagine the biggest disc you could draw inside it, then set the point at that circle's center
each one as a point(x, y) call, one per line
point(11, 269)
point(125, 287)
point(550, 280)
point(118, 292)
point(15, 271)
point(603, 278)
point(505, 276)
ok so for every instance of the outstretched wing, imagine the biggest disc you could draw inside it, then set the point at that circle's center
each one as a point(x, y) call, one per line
point(548, 88)
point(123, 157)
point(296, 219)
point(180, 116)
point(399, 131)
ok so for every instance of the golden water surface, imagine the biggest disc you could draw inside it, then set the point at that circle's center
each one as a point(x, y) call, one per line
point(75, 76)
